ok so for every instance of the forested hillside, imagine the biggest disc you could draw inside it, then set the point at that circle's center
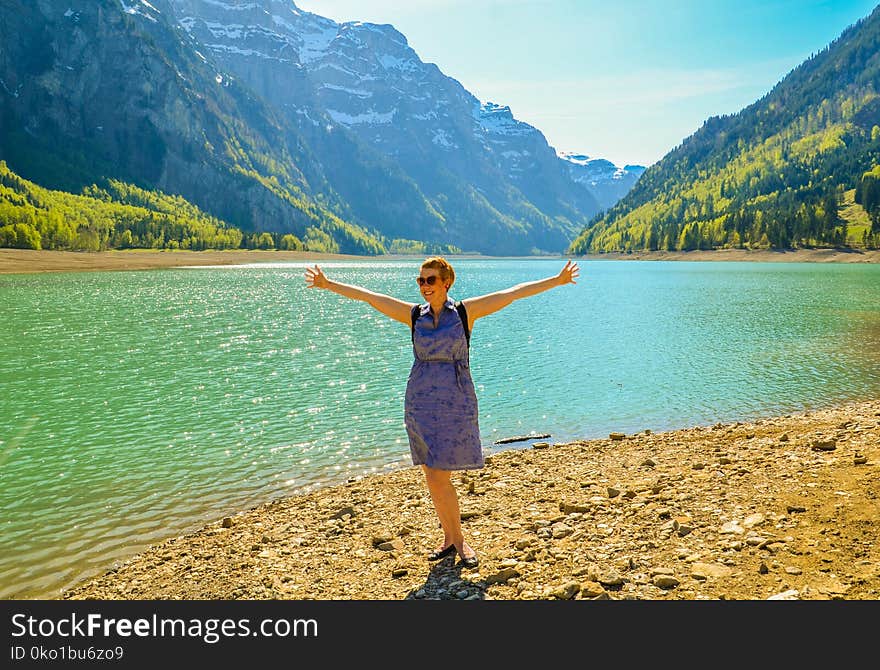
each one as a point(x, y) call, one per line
point(791, 170)
point(116, 215)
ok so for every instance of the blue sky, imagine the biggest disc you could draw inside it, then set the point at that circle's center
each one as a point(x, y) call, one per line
point(625, 80)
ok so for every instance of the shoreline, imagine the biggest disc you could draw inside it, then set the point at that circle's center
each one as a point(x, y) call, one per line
point(782, 507)
point(20, 261)
point(752, 255)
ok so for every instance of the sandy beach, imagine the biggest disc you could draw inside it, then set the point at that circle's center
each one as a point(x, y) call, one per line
point(26, 260)
point(782, 508)
point(754, 255)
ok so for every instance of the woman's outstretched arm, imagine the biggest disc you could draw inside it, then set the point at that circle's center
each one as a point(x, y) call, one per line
point(391, 307)
point(491, 302)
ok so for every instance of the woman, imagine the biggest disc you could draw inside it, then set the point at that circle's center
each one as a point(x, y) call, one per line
point(440, 407)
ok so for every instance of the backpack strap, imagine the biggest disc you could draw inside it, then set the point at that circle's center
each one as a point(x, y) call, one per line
point(462, 313)
point(414, 316)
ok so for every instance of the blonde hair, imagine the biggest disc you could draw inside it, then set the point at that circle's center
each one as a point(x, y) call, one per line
point(447, 274)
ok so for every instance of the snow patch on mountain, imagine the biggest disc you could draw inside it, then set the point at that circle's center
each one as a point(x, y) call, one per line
point(141, 7)
point(316, 41)
point(441, 138)
point(390, 62)
point(498, 119)
point(596, 170)
point(360, 93)
point(370, 117)
point(233, 8)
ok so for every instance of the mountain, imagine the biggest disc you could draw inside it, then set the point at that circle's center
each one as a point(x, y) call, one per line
point(790, 170)
point(99, 90)
point(495, 181)
point(273, 119)
point(607, 182)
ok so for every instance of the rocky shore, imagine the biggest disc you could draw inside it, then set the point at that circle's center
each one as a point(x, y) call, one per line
point(782, 508)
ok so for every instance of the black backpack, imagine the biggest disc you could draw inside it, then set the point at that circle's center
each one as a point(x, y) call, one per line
point(462, 313)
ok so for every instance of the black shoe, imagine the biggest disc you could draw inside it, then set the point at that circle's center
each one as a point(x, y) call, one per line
point(470, 562)
point(441, 553)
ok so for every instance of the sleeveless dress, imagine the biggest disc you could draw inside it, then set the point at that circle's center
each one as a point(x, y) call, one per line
point(440, 406)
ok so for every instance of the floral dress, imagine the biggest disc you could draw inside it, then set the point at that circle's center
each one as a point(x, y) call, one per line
point(440, 406)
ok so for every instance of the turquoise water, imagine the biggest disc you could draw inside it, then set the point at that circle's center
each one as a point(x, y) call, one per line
point(135, 406)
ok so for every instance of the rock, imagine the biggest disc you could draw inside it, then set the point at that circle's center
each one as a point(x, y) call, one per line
point(227, 522)
point(503, 576)
point(732, 527)
point(753, 520)
point(860, 459)
point(610, 578)
point(347, 511)
point(616, 436)
point(703, 571)
point(665, 582)
point(791, 594)
point(591, 589)
point(824, 445)
point(560, 529)
point(395, 544)
point(569, 508)
point(567, 591)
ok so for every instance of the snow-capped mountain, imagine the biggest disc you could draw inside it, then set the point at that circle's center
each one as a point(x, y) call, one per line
point(365, 78)
point(607, 182)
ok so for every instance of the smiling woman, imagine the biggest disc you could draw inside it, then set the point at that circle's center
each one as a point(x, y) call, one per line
point(441, 413)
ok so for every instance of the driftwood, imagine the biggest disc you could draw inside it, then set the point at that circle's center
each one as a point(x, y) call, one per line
point(521, 438)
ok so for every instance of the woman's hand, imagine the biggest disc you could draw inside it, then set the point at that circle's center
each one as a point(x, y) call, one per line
point(568, 274)
point(315, 278)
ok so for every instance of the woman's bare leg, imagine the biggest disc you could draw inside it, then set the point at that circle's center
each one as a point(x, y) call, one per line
point(445, 501)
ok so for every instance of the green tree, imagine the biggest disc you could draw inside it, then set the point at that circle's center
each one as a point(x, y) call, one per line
point(20, 236)
point(290, 242)
point(265, 241)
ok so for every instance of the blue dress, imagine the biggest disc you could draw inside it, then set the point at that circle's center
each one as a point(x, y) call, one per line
point(440, 407)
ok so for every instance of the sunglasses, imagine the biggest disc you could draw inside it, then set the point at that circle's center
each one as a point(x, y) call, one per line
point(430, 281)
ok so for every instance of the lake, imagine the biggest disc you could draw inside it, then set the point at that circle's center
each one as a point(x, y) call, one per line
point(135, 406)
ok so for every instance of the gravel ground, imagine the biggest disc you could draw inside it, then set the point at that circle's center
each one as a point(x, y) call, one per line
point(782, 508)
